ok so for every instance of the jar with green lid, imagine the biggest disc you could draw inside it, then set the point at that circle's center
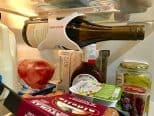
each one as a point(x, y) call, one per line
point(134, 73)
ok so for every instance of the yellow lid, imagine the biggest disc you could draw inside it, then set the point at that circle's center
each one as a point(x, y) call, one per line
point(134, 65)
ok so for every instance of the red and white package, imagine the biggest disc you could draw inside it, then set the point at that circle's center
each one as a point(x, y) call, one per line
point(61, 105)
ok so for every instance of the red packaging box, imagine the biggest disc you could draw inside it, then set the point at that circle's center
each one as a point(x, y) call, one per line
point(62, 105)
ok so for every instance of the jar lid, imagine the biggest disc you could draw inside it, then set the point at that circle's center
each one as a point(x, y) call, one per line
point(134, 65)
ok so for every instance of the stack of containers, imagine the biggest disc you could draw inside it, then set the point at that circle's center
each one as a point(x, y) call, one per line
point(135, 80)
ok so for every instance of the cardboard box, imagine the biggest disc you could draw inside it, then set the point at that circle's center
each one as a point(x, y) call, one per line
point(62, 105)
point(69, 61)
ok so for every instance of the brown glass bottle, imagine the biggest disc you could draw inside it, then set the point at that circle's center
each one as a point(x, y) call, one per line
point(87, 70)
point(84, 33)
point(81, 31)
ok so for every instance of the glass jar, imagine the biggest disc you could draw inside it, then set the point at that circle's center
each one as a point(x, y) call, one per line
point(135, 80)
point(134, 73)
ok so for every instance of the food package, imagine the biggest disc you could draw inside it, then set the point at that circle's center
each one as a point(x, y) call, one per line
point(61, 105)
point(54, 104)
point(105, 94)
point(69, 60)
point(35, 73)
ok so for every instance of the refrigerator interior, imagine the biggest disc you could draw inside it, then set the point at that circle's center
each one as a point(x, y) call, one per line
point(120, 50)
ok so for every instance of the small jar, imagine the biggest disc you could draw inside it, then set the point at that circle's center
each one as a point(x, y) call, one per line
point(134, 74)
point(135, 80)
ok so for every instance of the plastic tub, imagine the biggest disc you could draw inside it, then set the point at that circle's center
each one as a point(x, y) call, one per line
point(96, 93)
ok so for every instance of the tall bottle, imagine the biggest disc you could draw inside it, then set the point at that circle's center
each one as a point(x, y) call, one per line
point(84, 33)
point(87, 70)
point(77, 30)
point(8, 57)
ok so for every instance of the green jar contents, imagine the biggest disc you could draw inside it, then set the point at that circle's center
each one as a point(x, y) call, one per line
point(134, 74)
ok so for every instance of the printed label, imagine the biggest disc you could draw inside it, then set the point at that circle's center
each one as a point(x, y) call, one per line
point(84, 77)
point(61, 105)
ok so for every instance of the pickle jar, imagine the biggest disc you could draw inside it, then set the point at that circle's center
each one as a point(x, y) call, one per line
point(134, 74)
point(135, 80)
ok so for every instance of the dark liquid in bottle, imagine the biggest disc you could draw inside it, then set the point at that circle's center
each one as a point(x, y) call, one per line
point(90, 69)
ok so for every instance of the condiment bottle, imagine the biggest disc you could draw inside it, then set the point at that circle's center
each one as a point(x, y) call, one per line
point(8, 57)
point(87, 70)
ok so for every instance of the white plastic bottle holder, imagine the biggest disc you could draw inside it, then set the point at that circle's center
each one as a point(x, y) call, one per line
point(57, 34)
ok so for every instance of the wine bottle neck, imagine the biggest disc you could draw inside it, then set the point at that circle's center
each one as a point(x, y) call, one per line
point(84, 33)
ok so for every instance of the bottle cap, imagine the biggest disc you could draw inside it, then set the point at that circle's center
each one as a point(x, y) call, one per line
point(90, 52)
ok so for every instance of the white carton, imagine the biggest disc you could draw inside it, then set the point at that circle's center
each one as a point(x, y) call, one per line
point(69, 61)
point(8, 57)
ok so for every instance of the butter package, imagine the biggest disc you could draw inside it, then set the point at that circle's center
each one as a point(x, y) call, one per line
point(61, 105)
point(96, 92)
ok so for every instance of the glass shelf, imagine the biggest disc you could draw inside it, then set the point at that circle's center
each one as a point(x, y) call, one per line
point(104, 5)
point(100, 10)
point(66, 7)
